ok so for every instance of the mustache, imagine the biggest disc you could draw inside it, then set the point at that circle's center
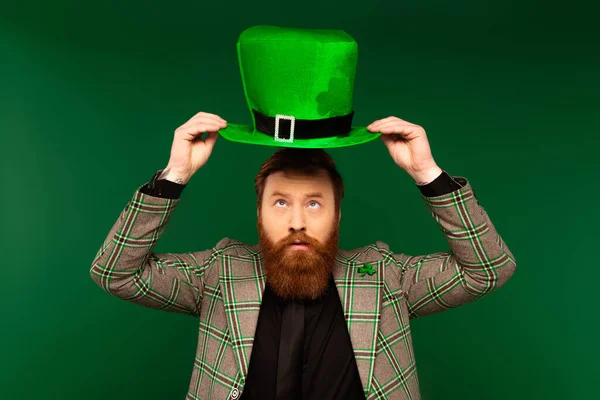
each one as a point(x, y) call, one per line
point(299, 236)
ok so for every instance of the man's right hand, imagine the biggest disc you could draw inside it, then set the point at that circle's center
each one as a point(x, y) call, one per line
point(189, 151)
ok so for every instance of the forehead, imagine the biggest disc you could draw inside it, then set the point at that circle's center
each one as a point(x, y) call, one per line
point(298, 183)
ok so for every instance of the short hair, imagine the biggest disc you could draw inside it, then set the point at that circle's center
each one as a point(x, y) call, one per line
point(303, 161)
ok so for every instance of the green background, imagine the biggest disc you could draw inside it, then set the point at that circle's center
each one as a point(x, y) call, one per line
point(91, 93)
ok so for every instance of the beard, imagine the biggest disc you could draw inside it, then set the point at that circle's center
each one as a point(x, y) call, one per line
point(298, 274)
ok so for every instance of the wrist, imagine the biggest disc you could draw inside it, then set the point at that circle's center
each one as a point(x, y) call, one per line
point(175, 175)
point(426, 176)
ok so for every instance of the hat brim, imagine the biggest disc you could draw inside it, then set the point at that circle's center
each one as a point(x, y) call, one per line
point(247, 134)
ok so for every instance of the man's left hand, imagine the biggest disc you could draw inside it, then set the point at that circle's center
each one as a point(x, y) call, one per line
point(409, 147)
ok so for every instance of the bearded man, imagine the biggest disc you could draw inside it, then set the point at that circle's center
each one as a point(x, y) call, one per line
point(295, 316)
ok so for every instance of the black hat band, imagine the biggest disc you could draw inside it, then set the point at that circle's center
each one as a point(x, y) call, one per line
point(286, 128)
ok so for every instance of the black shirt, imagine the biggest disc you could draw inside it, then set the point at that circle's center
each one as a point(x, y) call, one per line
point(302, 349)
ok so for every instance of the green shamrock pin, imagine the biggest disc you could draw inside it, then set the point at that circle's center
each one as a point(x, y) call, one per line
point(366, 269)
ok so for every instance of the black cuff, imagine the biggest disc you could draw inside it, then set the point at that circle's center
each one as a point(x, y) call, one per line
point(162, 187)
point(441, 185)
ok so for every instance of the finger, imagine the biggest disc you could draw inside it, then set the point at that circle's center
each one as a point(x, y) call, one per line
point(388, 141)
point(207, 121)
point(203, 114)
point(387, 119)
point(210, 140)
point(199, 129)
point(376, 123)
point(194, 130)
point(209, 116)
point(215, 125)
point(404, 133)
point(394, 127)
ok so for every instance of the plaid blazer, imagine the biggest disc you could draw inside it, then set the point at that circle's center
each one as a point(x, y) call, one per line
point(223, 287)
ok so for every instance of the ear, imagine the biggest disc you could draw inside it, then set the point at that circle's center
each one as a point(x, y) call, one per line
point(339, 216)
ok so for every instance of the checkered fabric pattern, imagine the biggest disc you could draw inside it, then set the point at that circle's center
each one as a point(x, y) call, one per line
point(223, 287)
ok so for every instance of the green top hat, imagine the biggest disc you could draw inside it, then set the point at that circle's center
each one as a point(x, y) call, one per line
point(298, 85)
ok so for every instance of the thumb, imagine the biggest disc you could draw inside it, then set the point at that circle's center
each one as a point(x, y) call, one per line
point(388, 140)
point(210, 140)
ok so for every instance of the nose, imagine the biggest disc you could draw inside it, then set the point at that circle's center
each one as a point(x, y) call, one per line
point(297, 222)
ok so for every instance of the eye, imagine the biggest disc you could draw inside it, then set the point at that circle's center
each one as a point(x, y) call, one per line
point(280, 203)
point(315, 204)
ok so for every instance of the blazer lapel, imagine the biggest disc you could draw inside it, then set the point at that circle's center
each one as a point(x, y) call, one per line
point(359, 285)
point(242, 283)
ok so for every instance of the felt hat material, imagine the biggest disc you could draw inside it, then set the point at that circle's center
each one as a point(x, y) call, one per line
point(298, 85)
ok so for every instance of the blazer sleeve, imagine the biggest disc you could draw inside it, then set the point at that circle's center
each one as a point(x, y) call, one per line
point(127, 267)
point(477, 263)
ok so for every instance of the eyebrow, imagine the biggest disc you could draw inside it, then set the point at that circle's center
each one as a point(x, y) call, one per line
point(314, 194)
